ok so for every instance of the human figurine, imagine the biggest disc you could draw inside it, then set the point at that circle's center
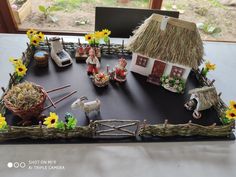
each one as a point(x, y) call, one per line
point(92, 62)
point(120, 70)
point(81, 50)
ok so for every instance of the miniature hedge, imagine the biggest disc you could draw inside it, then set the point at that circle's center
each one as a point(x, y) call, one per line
point(189, 129)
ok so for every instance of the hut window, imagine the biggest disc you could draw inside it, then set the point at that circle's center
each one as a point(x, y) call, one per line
point(177, 71)
point(141, 61)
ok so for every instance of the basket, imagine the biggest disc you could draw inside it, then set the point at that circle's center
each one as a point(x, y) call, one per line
point(34, 111)
point(100, 83)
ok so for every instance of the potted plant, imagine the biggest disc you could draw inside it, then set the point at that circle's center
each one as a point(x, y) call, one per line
point(21, 9)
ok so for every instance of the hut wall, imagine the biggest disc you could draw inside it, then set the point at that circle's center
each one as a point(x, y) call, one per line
point(146, 71)
point(169, 68)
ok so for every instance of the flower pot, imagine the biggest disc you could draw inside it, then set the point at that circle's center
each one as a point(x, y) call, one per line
point(41, 58)
point(21, 13)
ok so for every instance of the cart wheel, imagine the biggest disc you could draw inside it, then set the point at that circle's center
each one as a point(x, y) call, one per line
point(197, 115)
point(189, 108)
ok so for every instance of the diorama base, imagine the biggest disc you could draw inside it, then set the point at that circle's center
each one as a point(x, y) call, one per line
point(135, 99)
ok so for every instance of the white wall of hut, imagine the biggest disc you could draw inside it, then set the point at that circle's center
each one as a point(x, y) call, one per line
point(146, 71)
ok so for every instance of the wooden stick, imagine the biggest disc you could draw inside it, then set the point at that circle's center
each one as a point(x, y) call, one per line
point(212, 82)
point(122, 47)
point(109, 45)
point(119, 128)
point(49, 48)
point(165, 123)
point(61, 99)
point(3, 89)
point(12, 80)
point(144, 123)
point(50, 100)
point(63, 44)
point(59, 88)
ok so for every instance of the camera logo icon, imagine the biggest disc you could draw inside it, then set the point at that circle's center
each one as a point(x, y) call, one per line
point(16, 164)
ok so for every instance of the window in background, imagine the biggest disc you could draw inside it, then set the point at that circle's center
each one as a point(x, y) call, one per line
point(215, 18)
point(64, 15)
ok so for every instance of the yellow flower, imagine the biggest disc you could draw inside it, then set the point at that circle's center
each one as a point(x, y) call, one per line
point(89, 37)
point(30, 33)
point(106, 32)
point(21, 70)
point(51, 121)
point(232, 105)
point(210, 66)
point(40, 35)
point(3, 122)
point(35, 40)
point(98, 35)
point(15, 61)
point(231, 114)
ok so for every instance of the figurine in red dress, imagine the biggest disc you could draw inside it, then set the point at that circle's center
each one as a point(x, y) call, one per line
point(121, 71)
point(92, 62)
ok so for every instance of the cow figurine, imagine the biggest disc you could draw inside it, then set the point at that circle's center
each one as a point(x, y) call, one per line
point(87, 106)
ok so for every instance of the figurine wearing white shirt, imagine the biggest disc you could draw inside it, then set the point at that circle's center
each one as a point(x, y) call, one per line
point(92, 62)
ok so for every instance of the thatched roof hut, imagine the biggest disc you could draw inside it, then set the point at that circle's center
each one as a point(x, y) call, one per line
point(179, 42)
point(207, 96)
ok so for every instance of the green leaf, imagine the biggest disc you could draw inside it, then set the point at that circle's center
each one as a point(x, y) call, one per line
point(42, 8)
point(60, 125)
point(225, 120)
point(106, 39)
point(71, 124)
point(54, 8)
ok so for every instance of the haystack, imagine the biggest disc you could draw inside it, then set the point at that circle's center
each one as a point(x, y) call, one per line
point(206, 95)
point(179, 42)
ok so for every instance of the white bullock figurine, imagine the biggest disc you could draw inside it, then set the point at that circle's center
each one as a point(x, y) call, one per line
point(87, 106)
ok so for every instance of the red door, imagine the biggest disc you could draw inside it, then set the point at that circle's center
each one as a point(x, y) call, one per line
point(158, 68)
point(157, 71)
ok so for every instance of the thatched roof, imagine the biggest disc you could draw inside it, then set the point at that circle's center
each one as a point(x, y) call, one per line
point(206, 95)
point(179, 43)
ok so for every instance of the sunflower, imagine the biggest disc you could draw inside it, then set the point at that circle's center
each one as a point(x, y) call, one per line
point(40, 35)
point(15, 61)
point(30, 33)
point(98, 35)
point(89, 37)
point(210, 66)
point(106, 32)
point(232, 105)
point(35, 40)
point(3, 122)
point(231, 114)
point(51, 121)
point(21, 70)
